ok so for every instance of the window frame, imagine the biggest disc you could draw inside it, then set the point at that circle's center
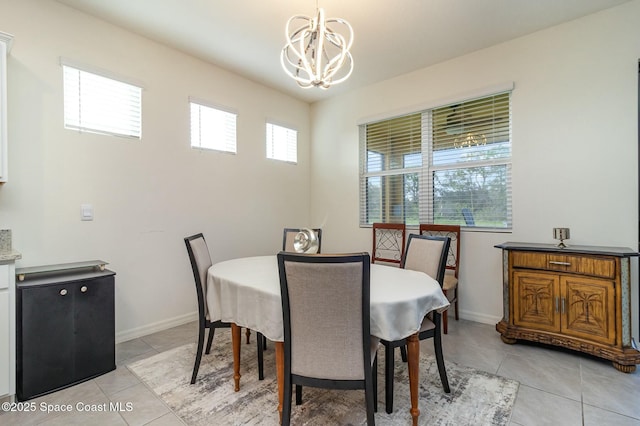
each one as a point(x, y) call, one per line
point(427, 170)
point(289, 145)
point(130, 118)
point(230, 145)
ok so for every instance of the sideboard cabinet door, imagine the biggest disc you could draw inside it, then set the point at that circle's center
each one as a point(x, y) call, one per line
point(590, 309)
point(535, 300)
point(45, 339)
point(95, 328)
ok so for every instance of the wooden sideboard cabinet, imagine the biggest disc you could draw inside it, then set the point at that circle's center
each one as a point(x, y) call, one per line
point(65, 329)
point(577, 297)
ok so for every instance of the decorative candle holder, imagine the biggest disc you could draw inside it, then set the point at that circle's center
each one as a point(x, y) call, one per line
point(306, 241)
point(561, 234)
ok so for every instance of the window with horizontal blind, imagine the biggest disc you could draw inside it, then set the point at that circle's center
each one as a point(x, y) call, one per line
point(282, 143)
point(213, 128)
point(446, 165)
point(99, 104)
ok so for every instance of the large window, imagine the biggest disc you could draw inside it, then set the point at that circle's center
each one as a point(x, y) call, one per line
point(447, 165)
point(213, 128)
point(100, 104)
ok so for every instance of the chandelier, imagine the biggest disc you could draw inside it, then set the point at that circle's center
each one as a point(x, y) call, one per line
point(316, 53)
point(470, 140)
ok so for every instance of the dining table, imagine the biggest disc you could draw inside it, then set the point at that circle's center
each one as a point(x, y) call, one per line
point(246, 293)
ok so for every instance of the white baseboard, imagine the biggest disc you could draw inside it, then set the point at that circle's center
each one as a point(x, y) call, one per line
point(134, 333)
point(477, 317)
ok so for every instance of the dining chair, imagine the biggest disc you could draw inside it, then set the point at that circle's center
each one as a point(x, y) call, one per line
point(200, 262)
point(388, 242)
point(326, 315)
point(289, 236)
point(429, 255)
point(450, 286)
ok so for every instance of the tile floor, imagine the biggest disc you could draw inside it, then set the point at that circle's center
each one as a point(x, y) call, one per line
point(556, 387)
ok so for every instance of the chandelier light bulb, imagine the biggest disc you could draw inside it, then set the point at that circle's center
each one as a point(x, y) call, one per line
point(316, 53)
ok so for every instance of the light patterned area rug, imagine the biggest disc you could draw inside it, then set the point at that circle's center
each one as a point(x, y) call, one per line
point(476, 398)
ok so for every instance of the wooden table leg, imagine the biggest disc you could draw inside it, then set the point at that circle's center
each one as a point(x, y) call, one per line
point(235, 341)
point(413, 359)
point(280, 375)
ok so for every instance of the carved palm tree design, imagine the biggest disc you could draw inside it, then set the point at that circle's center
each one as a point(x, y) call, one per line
point(588, 303)
point(534, 297)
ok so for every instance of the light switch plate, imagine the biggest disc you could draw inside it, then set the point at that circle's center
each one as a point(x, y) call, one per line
point(86, 212)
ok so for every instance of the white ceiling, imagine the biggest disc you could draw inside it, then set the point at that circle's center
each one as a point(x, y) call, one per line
point(392, 37)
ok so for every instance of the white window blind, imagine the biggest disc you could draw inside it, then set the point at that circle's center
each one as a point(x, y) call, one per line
point(448, 165)
point(282, 143)
point(391, 162)
point(99, 104)
point(213, 128)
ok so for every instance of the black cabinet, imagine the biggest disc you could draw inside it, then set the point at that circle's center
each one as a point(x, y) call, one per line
point(65, 330)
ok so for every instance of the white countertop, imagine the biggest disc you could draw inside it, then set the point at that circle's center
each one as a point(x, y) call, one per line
point(10, 256)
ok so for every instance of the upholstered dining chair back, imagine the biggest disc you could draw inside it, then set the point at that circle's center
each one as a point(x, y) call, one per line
point(326, 314)
point(289, 236)
point(325, 303)
point(450, 284)
point(200, 263)
point(427, 254)
point(451, 231)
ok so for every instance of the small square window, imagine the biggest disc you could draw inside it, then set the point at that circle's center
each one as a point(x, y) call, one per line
point(213, 128)
point(282, 143)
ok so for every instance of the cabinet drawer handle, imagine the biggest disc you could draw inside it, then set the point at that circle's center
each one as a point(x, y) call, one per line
point(63, 292)
point(557, 302)
point(83, 289)
point(563, 310)
point(554, 262)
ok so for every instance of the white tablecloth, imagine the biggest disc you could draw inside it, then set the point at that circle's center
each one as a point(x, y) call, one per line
point(246, 291)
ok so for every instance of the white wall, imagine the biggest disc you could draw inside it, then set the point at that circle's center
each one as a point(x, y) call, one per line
point(147, 194)
point(575, 155)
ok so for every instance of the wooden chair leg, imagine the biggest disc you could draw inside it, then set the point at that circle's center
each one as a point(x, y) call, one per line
point(248, 334)
point(196, 365)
